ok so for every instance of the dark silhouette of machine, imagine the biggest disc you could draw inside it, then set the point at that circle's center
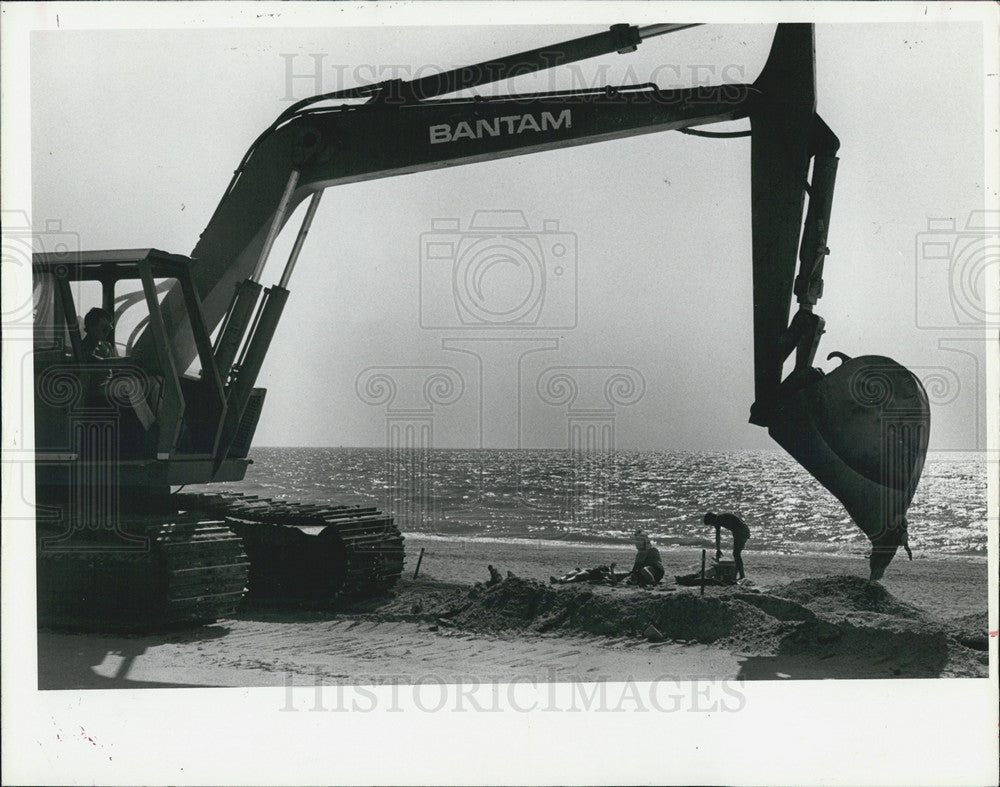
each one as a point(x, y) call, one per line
point(115, 431)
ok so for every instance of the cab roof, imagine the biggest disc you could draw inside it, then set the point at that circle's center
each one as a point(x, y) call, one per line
point(116, 263)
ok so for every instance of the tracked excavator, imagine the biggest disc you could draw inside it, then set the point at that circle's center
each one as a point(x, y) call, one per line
point(115, 431)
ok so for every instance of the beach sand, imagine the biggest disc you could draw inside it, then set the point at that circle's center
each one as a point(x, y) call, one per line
point(944, 587)
point(799, 616)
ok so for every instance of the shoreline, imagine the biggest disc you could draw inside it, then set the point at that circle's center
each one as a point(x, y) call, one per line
point(604, 544)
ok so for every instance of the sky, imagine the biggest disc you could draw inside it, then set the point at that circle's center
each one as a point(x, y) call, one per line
point(135, 134)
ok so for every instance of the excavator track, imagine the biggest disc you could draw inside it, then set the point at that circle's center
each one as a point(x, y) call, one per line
point(191, 569)
point(304, 552)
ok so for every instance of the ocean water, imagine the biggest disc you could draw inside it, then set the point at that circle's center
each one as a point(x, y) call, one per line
point(601, 497)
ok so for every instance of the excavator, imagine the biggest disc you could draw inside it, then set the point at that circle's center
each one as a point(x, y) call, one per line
point(115, 431)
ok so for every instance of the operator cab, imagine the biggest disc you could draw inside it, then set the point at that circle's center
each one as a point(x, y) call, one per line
point(98, 398)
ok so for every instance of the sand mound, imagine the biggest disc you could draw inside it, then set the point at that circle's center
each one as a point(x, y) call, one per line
point(837, 626)
point(846, 594)
point(525, 604)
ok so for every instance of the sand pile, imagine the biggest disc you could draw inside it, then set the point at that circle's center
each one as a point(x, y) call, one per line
point(523, 604)
point(840, 622)
point(847, 594)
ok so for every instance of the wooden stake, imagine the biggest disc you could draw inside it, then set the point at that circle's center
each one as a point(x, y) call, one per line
point(421, 557)
point(702, 571)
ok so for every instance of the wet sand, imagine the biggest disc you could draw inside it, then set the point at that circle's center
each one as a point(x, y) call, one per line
point(924, 621)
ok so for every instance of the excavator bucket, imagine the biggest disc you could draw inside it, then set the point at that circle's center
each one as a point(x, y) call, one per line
point(862, 432)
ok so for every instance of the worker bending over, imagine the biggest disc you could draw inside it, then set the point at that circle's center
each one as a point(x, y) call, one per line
point(741, 534)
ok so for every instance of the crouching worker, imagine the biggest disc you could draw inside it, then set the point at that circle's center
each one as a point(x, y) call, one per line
point(741, 534)
point(648, 568)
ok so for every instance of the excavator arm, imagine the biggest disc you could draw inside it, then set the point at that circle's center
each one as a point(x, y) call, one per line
point(861, 430)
